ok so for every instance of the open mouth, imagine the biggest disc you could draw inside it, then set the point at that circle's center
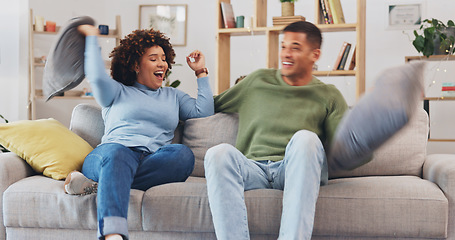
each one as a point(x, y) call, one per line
point(287, 64)
point(159, 74)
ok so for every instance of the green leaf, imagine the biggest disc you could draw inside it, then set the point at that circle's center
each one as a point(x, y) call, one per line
point(428, 48)
point(175, 84)
point(450, 23)
point(429, 33)
point(419, 43)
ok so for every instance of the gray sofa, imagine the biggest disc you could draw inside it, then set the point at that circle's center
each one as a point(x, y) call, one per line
point(401, 194)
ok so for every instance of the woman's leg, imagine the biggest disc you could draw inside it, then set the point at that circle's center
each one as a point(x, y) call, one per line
point(113, 166)
point(170, 163)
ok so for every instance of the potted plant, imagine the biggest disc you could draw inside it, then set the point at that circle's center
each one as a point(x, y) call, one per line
point(3, 149)
point(287, 7)
point(434, 37)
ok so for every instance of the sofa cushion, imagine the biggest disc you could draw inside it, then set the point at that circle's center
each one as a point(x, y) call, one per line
point(363, 207)
point(183, 207)
point(39, 201)
point(387, 207)
point(200, 134)
point(48, 146)
point(403, 154)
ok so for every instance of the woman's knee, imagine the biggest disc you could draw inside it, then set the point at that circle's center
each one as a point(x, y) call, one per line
point(183, 153)
point(177, 152)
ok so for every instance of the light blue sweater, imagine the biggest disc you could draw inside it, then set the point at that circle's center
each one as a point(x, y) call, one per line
point(138, 116)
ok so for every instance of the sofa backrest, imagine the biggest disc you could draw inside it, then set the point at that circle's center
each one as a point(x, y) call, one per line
point(200, 134)
point(403, 154)
point(87, 122)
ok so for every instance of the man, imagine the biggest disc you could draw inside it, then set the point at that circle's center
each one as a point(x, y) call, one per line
point(287, 119)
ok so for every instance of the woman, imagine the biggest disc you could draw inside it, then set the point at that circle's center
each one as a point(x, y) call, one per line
point(140, 118)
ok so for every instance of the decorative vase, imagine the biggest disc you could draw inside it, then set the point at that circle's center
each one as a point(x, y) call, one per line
point(287, 9)
point(438, 50)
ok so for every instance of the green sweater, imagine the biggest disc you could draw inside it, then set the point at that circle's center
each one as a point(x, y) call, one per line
point(271, 111)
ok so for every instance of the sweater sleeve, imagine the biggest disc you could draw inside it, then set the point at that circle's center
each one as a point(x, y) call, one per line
point(336, 110)
point(229, 100)
point(104, 88)
point(202, 106)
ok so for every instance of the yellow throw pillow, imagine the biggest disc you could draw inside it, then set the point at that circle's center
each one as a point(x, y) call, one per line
point(46, 144)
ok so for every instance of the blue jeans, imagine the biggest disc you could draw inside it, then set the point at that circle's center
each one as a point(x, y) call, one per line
point(117, 169)
point(229, 173)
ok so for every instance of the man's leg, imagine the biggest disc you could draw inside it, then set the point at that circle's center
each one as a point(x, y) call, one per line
point(301, 172)
point(229, 173)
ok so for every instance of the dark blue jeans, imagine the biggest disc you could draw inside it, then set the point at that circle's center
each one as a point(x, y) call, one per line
point(117, 169)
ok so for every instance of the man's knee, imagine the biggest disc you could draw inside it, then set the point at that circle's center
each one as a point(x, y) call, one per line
point(306, 138)
point(307, 143)
point(218, 155)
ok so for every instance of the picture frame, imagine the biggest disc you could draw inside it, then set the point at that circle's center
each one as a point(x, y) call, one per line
point(170, 19)
point(404, 14)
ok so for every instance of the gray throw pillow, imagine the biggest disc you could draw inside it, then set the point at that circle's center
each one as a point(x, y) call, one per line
point(64, 68)
point(200, 134)
point(377, 116)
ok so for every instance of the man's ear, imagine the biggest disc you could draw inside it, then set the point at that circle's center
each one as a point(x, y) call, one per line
point(316, 54)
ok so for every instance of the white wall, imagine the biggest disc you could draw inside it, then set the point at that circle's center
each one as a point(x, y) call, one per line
point(384, 47)
point(13, 59)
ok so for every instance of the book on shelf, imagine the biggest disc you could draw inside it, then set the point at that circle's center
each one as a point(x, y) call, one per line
point(448, 84)
point(337, 11)
point(228, 15)
point(284, 21)
point(352, 64)
point(448, 88)
point(345, 57)
point(340, 55)
point(329, 11)
point(324, 14)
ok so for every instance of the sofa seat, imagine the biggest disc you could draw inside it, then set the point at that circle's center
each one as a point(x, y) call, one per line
point(384, 206)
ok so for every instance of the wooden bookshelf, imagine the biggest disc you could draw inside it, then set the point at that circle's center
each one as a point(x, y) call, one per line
point(259, 27)
point(35, 94)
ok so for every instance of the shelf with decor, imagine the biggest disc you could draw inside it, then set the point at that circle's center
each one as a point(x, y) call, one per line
point(272, 33)
point(60, 106)
point(426, 100)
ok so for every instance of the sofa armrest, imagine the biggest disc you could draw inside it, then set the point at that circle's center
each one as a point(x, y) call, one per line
point(12, 169)
point(440, 169)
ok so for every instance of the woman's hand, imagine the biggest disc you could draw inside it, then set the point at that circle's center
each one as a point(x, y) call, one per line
point(198, 63)
point(88, 30)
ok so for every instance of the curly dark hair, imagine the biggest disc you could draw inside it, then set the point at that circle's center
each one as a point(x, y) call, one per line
point(126, 56)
